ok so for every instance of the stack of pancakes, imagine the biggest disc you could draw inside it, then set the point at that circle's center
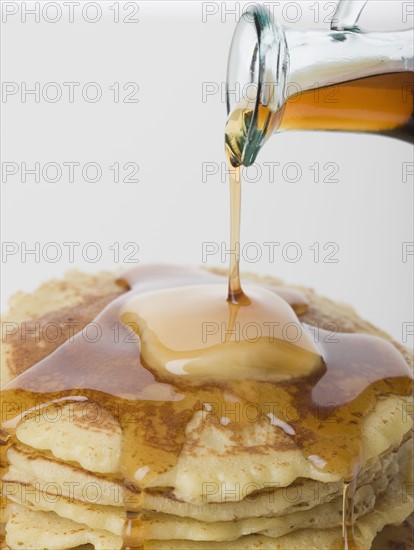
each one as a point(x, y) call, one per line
point(62, 487)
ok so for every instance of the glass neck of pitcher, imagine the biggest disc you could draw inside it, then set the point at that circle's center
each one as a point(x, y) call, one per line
point(268, 64)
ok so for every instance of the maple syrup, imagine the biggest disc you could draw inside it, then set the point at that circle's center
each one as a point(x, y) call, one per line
point(380, 104)
point(214, 340)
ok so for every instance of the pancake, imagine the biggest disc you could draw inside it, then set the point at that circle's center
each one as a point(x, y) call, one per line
point(64, 485)
point(85, 433)
point(308, 514)
point(68, 479)
point(44, 473)
point(209, 453)
point(26, 525)
point(53, 532)
point(37, 323)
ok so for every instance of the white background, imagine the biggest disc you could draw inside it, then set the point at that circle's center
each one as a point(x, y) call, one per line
point(170, 133)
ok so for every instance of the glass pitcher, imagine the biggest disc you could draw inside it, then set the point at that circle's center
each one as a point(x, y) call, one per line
point(340, 79)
